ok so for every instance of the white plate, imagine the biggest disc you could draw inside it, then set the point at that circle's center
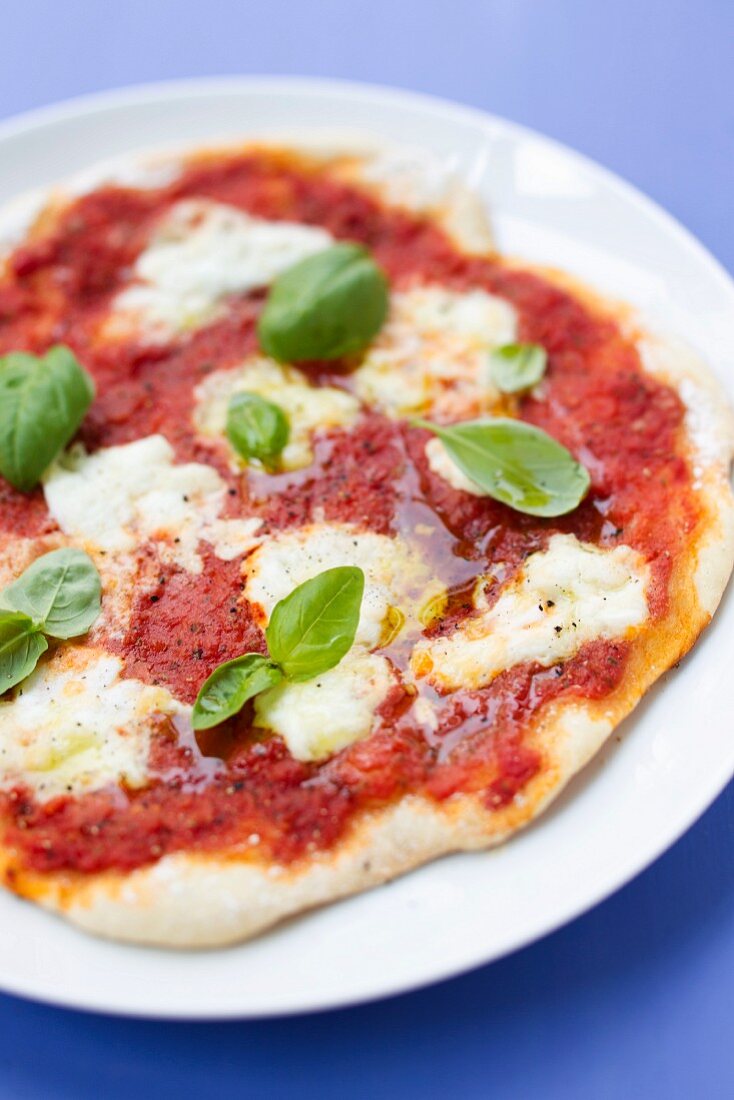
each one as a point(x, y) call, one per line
point(650, 784)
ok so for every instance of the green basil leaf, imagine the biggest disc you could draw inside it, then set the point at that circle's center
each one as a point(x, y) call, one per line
point(42, 403)
point(314, 627)
point(256, 428)
point(329, 305)
point(516, 463)
point(60, 591)
point(226, 691)
point(517, 367)
point(21, 644)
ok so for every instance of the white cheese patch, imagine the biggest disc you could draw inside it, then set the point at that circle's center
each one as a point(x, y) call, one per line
point(309, 408)
point(201, 252)
point(322, 716)
point(74, 725)
point(432, 356)
point(565, 596)
point(441, 463)
point(118, 497)
point(395, 576)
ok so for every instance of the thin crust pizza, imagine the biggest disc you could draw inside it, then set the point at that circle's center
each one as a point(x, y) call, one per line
point(331, 541)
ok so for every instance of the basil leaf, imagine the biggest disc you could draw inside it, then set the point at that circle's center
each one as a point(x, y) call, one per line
point(60, 591)
point(328, 305)
point(226, 691)
point(21, 644)
point(309, 632)
point(42, 403)
point(516, 463)
point(517, 367)
point(313, 628)
point(256, 428)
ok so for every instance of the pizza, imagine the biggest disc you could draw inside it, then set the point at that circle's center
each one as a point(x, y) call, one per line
point(331, 540)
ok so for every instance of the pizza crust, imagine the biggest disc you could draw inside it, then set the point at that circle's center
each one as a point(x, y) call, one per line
point(199, 900)
point(710, 426)
point(412, 178)
point(195, 900)
point(205, 900)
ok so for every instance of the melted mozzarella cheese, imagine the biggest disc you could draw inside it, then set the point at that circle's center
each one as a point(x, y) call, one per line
point(441, 463)
point(308, 408)
point(324, 715)
point(565, 596)
point(432, 354)
point(120, 496)
point(395, 577)
point(75, 725)
point(201, 252)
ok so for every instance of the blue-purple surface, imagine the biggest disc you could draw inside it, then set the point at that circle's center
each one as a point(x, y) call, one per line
point(635, 999)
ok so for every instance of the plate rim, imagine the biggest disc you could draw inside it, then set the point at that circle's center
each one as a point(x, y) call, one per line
point(139, 94)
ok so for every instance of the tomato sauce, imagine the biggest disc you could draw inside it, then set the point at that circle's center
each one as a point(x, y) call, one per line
point(238, 788)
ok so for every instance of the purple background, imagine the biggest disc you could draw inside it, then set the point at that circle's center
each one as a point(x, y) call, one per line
point(636, 998)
